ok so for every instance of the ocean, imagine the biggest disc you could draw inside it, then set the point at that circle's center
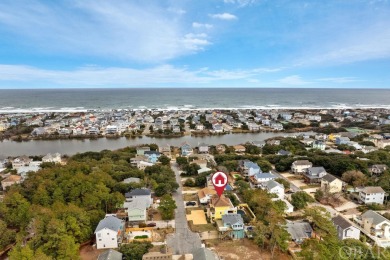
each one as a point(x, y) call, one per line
point(27, 100)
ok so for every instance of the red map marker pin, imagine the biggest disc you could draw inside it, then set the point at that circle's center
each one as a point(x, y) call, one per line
point(220, 180)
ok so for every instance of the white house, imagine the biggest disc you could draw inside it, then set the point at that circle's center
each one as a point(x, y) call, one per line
point(203, 148)
point(52, 158)
point(275, 188)
point(372, 194)
point(136, 209)
point(109, 232)
point(376, 225)
point(262, 178)
point(345, 229)
point(20, 161)
point(289, 207)
point(139, 193)
point(331, 184)
point(300, 166)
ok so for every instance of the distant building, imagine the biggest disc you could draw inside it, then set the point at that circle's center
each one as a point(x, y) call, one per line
point(10, 180)
point(52, 158)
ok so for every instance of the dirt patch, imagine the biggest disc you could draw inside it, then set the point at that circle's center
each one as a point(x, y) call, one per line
point(198, 217)
point(89, 252)
point(190, 197)
point(243, 250)
point(154, 215)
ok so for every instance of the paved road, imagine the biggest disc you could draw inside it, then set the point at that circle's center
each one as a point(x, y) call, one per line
point(183, 241)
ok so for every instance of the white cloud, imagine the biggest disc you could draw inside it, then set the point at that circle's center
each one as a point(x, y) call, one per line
point(115, 29)
point(202, 25)
point(116, 76)
point(240, 3)
point(293, 80)
point(340, 79)
point(224, 16)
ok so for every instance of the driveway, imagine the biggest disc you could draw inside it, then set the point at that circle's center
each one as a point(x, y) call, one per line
point(183, 241)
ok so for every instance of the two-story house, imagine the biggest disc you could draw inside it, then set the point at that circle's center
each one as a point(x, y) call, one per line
point(52, 158)
point(203, 148)
point(139, 193)
point(331, 184)
point(186, 149)
point(275, 188)
point(376, 225)
point(345, 229)
point(314, 174)
point(20, 161)
point(109, 232)
point(232, 226)
point(377, 169)
point(372, 194)
point(136, 209)
point(249, 168)
point(300, 166)
point(205, 194)
point(220, 206)
point(261, 178)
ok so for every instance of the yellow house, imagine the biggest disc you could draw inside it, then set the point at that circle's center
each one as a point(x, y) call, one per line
point(332, 137)
point(331, 184)
point(220, 206)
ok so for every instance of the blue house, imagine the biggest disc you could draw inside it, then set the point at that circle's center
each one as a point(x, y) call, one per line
point(186, 149)
point(152, 156)
point(342, 140)
point(232, 226)
point(249, 168)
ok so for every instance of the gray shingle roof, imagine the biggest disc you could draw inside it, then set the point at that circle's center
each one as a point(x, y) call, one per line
point(329, 178)
point(272, 184)
point(341, 222)
point(110, 222)
point(373, 189)
point(299, 230)
point(376, 217)
point(302, 162)
point(137, 192)
point(110, 254)
point(232, 219)
point(315, 171)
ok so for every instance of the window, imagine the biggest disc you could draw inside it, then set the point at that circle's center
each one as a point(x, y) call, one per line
point(100, 239)
point(113, 239)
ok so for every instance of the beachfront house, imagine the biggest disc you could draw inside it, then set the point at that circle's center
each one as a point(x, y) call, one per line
point(186, 149)
point(109, 232)
point(52, 158)
point(203, 148)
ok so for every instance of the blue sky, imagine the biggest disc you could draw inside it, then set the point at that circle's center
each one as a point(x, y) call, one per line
point(198, 43)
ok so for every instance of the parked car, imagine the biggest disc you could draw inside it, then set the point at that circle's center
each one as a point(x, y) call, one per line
point(151, 224)
point(191, 203)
